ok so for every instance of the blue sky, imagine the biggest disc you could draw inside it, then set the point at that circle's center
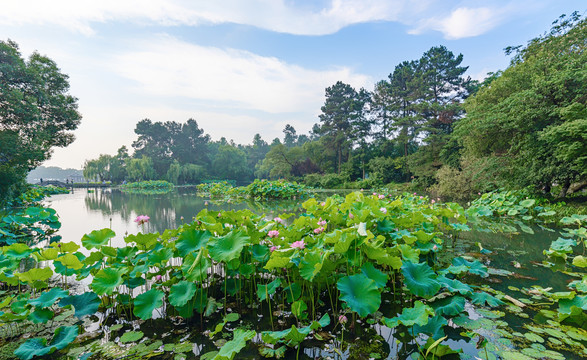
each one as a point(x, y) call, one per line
point(241, 67)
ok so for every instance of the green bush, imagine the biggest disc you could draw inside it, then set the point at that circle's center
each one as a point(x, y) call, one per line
point(149, 187)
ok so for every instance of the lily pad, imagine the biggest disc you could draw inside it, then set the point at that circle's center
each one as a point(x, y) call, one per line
point(131, 336)
point(97, 238)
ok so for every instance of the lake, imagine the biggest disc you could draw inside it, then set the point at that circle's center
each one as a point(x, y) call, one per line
point(513, 258)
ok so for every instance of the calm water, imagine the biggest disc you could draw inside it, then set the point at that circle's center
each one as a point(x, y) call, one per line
point(83, 211)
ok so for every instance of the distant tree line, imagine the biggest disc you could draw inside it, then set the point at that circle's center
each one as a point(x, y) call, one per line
point(427, 124)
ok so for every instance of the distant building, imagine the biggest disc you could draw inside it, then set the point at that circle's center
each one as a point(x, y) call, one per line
point(76, 179)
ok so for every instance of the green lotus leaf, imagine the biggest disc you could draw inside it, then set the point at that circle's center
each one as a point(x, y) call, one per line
point(296, 336)
point(134, 282)
point(265, 290)
point(181, 293)
point(293, 292)
point(474, 267)
point(580, 261)
point(273, 353)
point(310, 265)
point(360, 294)
point(482, 298)
point(420, 279)
point(49, 254)
point(145, 303)
point(70, 261)
point(409, 253)
point(18, 251)
point(41, 316)
point(84, 304)
point(106, 280)
point(144, 241)
point(450, 306)
point(278, 259)
point(4, 303)
point(229, 246)
point(32, 347)
point(417, 315)
point(455, 286)
point(229, 350)
point(131, 336)
point(324, 321)
point(199, 303)
point(527, 203)
point(191, 240)
point(36, 274)
point(195, 268)
point(374, 274)
point(566, 305)
point(438, 350)
point(434, 327)
point(259, 252)
point(64, 335)
point(97, 238)
point(298, 308)
point(158, 257)
point(66, 247)
point(48, 298)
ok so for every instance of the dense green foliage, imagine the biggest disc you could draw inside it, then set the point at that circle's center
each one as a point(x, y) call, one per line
point(36, 114)
point(527, 126)
point(257, 190)
point(338, 262)
point(147, 187)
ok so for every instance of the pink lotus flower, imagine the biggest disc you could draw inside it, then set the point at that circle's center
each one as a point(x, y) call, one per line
point(342, 319)
point(435, 248)
point(383, 210)
point(323, 203)
point(273, 233)
point(381, 196)
point(351, 216)
point(273, 248)
point(298, 244)
point(415, 194)
point(322, 222)
point(158, 278)
point(374, 194)
point(278, 220)
point(142, 219)
point(318, 230)
point(432, 201)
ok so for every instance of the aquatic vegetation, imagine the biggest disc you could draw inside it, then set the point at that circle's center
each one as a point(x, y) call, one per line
point(257, 190)
point(150, 187)
point(372, 268)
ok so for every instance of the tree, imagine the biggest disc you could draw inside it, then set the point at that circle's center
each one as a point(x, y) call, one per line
point(290, 137)
point(37, 113)
point(520, 117)
point(341, 108)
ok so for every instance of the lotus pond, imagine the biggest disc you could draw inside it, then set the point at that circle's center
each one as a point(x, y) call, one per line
point(348, 276)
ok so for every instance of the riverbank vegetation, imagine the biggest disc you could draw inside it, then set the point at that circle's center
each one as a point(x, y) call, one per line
point(427, 125)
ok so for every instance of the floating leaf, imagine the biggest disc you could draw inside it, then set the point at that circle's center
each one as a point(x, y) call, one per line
point(482, 298)
point(97, 238)
point(450, 306)
point(234, 346)
point(131, 336)
point(360, 293)
point(181, 293)
point(420, 279)
point(455, 286)
point(474, 267)
point(417, 315)
point(145, 303)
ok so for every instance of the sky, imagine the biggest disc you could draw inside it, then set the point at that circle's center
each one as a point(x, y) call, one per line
point(241, 67)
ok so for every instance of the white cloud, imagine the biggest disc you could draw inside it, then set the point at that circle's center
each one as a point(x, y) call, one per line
point(462, 22)
point(168, 67)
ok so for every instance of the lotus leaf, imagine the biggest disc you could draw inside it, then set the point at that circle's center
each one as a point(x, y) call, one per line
point(278, 259)
point(455, 286)
point(580, 261)
point(195, 268)
point(273, 353)
point(191, 240)
point(64, 335)
point(482, 298)
point(409, 253)
point(48, 298)
point(145, 303)
point(298, 308)
point(438, 350)
point(97, 238)
point(66, 247)
point(131, 336)
point(18, 251)
point(49, 254)
point(374, 274)
point(452, 305)
point(263, 291)
point(106, 280)
point(41, 316)
point(310, 265)
point(566, 305)
point(84, 304)
point(234, 346)
point(144, 241)
point(33, 347)
point(420, 279)
point(434, 327)
point(70, 261)
point(229, 246)
point(417, 315)
point(259, 252)
point(360, 294)
point(293, 292)
point(181, 293)
point(474, 267)
point(36, 274)
point(158, 257)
